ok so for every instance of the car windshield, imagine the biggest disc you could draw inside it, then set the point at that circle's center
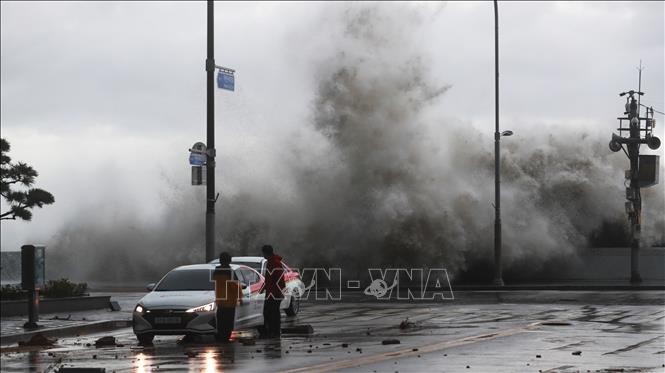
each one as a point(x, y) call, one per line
point(255, 265)
point(190, 279)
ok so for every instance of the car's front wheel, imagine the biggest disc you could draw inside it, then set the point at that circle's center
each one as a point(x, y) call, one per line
point(294, 306)
point(145, 339)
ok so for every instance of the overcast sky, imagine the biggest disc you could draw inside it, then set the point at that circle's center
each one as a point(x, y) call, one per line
point(105, 98)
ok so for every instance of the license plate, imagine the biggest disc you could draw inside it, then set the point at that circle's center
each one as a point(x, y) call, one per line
point(167, 320)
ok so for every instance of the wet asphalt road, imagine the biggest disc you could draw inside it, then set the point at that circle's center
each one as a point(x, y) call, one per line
point(518, 331)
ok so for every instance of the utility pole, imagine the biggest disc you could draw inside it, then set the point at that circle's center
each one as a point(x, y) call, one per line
point(643, 168)
point(210, 140)
point(634, 196)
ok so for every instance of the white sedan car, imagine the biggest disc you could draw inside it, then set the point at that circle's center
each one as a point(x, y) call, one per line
point(183, 303)
point(295, 288)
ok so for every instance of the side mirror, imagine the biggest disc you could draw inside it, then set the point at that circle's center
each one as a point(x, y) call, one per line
point(244, 286)
point(150, 286)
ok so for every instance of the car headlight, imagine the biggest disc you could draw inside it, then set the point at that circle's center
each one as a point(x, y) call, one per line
point(139, 308)
point(204, 308)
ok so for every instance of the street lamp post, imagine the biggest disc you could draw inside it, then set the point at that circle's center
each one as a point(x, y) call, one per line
point(498, 277)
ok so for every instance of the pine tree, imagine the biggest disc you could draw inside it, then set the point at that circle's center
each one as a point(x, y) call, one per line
point(20, 201)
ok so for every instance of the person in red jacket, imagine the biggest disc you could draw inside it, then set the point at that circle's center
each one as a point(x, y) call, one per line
point(273, 287)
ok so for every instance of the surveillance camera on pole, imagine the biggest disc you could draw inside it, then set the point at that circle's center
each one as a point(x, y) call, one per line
point(643, 170)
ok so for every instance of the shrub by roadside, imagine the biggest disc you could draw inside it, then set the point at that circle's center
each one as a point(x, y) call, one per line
point(11, 292)
point(52, 289)
point(63, 288)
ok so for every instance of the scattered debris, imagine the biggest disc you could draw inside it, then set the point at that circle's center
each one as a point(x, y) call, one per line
point(190, 354)
point(106, 341)
point(359, 350)
point(577, 353)
point(390, 342)
point(538, 356)
point(406, 324)
point(56, 317)
point(414, 349)
point(259, 351)
point(556, 323)
point(345, 345)
point(309, 351)
point(38, 340)
point(298, 329)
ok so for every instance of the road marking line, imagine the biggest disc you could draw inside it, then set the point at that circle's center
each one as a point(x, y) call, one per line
point(372, 359)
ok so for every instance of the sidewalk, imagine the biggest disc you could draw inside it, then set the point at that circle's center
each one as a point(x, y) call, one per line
point(72, 323)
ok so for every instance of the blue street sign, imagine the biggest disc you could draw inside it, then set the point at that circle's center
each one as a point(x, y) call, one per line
point(197, 159)
point(226, 80)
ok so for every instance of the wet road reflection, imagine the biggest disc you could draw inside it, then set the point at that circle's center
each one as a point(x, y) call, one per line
point(142, 363)
point(210, 362)
point(620, 335)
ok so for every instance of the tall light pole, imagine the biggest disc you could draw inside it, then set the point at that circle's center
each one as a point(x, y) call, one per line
point(210, 140)
point(498, 277)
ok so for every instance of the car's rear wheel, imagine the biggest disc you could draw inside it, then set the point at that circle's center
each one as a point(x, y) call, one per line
point(145, 339)
point(294, 306)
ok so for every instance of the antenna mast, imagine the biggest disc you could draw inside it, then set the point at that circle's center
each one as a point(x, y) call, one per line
point(639, 88)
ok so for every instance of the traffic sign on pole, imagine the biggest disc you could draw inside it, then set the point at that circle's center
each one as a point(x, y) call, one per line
point(198, 154)
point(226, 80)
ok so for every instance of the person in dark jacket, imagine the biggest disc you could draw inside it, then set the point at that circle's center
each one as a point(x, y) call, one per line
point(273, 287)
